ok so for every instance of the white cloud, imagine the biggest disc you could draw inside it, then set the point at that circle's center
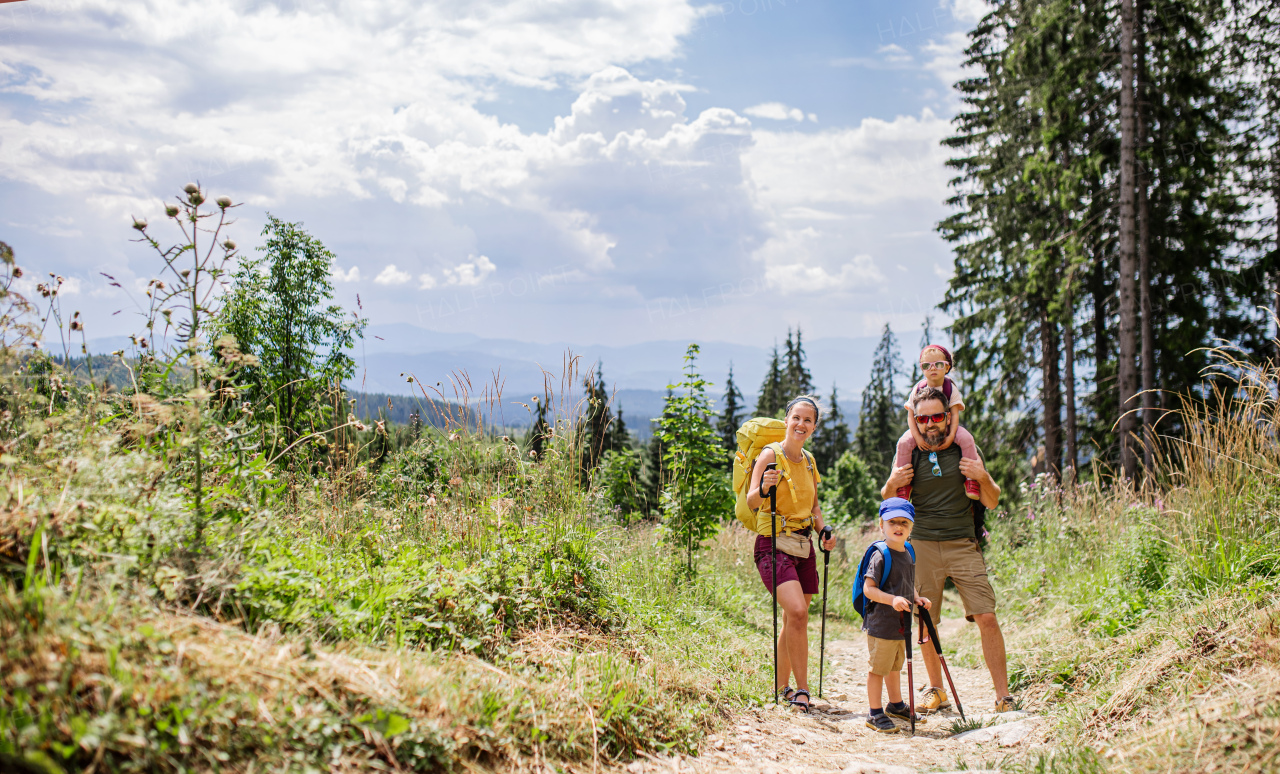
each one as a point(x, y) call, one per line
point(969, 11)
point(392, 276)
point(894, 54)
point(776, 111)
point(858, 274)
point(470, 273)
point(863, 190)
point(426, 282)
point(350, 275)
point(946, 59)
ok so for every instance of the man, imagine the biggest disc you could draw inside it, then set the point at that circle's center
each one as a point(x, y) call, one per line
point(945, 543)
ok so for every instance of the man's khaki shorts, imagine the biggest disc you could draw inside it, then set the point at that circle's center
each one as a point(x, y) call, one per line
point(885, 656)
point(960, 560)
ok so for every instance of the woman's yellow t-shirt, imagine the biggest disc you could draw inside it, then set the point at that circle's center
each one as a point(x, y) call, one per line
point(796, 490)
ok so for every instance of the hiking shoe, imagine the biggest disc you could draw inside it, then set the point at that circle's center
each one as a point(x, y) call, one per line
point(972, 489)
point(881, 723)
point(933, 700)
point(902, 712)
point(1007, 704)
point(905, 492)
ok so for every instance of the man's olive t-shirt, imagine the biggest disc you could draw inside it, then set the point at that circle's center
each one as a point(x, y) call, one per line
point(943, 510)
point(882, 620)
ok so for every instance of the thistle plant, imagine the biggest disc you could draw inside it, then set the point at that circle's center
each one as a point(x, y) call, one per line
point(188, 290)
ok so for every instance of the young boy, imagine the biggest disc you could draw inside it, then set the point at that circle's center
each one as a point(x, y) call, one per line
point(885, 622)
point(935, 362)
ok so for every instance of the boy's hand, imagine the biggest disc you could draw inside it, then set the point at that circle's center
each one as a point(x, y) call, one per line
point(901, 604)
point(922, 602)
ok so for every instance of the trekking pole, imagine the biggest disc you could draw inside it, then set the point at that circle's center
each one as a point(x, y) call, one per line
point(773, 563)
point(826, 561)
point(911, 679)
point(927, 618)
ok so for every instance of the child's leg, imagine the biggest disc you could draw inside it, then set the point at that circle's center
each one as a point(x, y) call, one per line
point(968, 449)
point(907, 444)
point(893, 682)
point(874, 684)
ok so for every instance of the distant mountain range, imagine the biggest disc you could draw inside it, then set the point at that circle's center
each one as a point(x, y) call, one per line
point(637, 373)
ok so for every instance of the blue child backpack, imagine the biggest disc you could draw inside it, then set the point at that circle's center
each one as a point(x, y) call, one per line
point(860, 602)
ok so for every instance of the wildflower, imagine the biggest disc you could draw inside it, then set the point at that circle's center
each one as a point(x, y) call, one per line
point(17, 272)
point(224, 202)
point(140, 225)
point(190, 188)
point(171, 210)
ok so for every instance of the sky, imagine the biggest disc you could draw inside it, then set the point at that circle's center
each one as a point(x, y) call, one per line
point(594, 171)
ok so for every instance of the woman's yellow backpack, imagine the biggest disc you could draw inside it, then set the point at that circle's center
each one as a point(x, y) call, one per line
point(754, 437)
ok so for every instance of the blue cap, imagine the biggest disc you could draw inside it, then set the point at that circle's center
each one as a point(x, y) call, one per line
point(897, 508)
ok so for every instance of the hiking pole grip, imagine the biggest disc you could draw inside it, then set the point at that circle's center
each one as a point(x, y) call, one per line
point(823, 537)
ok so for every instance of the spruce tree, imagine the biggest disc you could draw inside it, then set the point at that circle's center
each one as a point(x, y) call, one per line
point(832, 438)
point(772, 400)
point(796, 379)
point(881, 419)
point(730, 418)
point(601, 432)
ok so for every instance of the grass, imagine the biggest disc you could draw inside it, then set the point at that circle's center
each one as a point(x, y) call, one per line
point(453, 605)
point(456, 607)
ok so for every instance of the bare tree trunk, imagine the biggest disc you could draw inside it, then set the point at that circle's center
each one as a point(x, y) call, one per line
point(1276, 300)
point(1051, 394)
point(1127, 375)
point(1101, 352)
point(1069, 383)
point(1144, 260)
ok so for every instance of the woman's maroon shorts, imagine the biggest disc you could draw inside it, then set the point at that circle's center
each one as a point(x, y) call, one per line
point(790, 568)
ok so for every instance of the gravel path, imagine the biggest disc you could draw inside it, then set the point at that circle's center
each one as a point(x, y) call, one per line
point(833, 735)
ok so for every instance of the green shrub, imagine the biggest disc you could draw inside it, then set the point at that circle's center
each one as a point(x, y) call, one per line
point(850, 494)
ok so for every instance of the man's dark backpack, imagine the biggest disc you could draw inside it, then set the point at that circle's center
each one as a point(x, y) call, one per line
point(979, 510)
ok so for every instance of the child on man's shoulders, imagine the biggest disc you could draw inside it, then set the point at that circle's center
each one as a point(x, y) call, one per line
point(935, 362)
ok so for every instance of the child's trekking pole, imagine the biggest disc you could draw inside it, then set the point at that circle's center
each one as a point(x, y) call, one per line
point(773, 562)
point(823, 536)
point(911, 679)
point(927, 618)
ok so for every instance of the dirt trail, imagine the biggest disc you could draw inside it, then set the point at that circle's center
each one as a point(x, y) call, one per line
point(833, 736)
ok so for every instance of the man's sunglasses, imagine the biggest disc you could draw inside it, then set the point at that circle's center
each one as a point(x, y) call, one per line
point(933, 365)
point(924, 419)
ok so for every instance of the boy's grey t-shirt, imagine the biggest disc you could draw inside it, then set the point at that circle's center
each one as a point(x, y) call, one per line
point(882, 620)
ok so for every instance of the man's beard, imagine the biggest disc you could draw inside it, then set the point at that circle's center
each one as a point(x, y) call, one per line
point(935, 435)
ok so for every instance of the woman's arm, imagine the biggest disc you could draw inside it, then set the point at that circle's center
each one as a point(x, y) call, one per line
point(757, 473)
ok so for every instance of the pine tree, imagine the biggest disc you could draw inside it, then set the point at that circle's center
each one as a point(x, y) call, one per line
point(880, 420)
point(772, 396)
point(926, 338)
point(796, 378)
point(832, 438)
point(535, 441)
point(730, 418)
point(653, 472)
point(601, 431)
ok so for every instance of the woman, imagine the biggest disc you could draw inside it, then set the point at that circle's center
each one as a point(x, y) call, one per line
point(799, 515)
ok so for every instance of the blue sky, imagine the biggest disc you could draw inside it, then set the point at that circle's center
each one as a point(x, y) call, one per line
point(595, 171)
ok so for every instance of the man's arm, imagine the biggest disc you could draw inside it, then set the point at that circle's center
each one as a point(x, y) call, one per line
point(989, 490)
